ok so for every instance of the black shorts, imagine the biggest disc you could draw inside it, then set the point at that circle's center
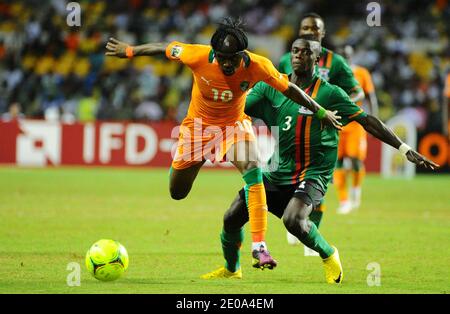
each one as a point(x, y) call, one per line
point(278, 196)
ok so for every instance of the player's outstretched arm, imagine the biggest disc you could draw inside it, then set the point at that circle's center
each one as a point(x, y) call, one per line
point(121, 49)
point(329, 117)
point(378, 129)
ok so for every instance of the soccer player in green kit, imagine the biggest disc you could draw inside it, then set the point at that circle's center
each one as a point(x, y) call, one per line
point(334, 69)
point(307, 154)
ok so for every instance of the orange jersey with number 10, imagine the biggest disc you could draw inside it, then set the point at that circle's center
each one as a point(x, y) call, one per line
point(216, 98)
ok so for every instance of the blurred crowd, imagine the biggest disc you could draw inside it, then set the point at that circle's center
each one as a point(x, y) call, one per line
point(51, 70)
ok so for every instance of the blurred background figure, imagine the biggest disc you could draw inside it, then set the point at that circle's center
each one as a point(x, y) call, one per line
point(13, 113)
point(352, 149)
point(446, 108)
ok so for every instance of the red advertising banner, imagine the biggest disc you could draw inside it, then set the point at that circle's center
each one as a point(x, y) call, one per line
point(373, 159)
point(40, 143)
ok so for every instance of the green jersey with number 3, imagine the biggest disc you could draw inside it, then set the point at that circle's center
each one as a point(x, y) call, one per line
point(306, 148)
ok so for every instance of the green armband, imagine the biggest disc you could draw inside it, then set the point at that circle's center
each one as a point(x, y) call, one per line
point(321, 113)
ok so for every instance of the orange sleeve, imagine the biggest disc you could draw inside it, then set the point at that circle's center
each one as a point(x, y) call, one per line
point(368, 84)
point(266, 71)
point(188, 54)
point(447, 87)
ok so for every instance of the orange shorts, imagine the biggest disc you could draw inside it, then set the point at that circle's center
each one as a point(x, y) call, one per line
point(353, 142)
point(199, 141)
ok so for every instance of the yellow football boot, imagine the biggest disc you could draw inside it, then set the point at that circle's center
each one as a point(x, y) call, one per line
point(333, 268)
point(223, 273)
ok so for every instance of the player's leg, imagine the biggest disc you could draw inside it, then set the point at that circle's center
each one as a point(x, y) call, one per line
point(233, 232)
point(234, 220)
point(187, 161)
point(358, 174)
point(340, 174)
point(316, 218)
point(317, 214)
point(245, 159)
point(181, 180)
point(358, 155)
point(231, 239)
point(295, 218)
point(340, 181)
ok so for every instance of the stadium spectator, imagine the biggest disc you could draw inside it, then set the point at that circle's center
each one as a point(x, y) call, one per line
point(45, 63)
point(148, 110)
point(14, 113)
point(446, 107)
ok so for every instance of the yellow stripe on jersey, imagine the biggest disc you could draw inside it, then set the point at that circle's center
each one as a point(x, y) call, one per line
point(329, 59)
point(316, 88)
point(307, 145)
point(356, 114)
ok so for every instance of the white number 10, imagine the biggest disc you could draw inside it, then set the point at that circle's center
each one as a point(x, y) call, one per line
point(225, 96)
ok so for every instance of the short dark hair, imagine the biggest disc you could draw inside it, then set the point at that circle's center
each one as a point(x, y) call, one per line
point(231, 27)
point(315, 16)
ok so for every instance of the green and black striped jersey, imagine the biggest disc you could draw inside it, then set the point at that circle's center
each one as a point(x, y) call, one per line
point(332, 68)
point(305, 149)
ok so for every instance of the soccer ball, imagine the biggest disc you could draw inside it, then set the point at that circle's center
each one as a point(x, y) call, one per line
point(107, 260)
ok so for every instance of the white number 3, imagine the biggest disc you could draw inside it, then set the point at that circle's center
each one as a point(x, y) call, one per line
point(287, 123)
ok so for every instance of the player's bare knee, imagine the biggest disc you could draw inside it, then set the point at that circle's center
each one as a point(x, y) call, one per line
point(231, 222)
point(236, 216)
point(304, 227)
point(290, 221)
point(228, 219)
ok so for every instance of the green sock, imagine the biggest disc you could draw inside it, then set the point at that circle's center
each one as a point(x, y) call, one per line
point(315, 241)
point(231, 244)
point(316, 217)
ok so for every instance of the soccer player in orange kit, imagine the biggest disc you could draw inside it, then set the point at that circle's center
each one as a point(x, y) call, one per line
point(353, 143)
point(223, 73)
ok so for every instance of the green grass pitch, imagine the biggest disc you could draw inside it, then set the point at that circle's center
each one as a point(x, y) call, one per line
point(50, 217)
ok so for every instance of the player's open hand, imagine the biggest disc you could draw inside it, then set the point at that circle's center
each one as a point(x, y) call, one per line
point(332, 119)
point(420, 160)
point(116, 48)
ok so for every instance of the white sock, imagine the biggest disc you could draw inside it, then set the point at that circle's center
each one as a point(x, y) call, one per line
point(344, 203)
point(355, 195)
point(257, 245)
